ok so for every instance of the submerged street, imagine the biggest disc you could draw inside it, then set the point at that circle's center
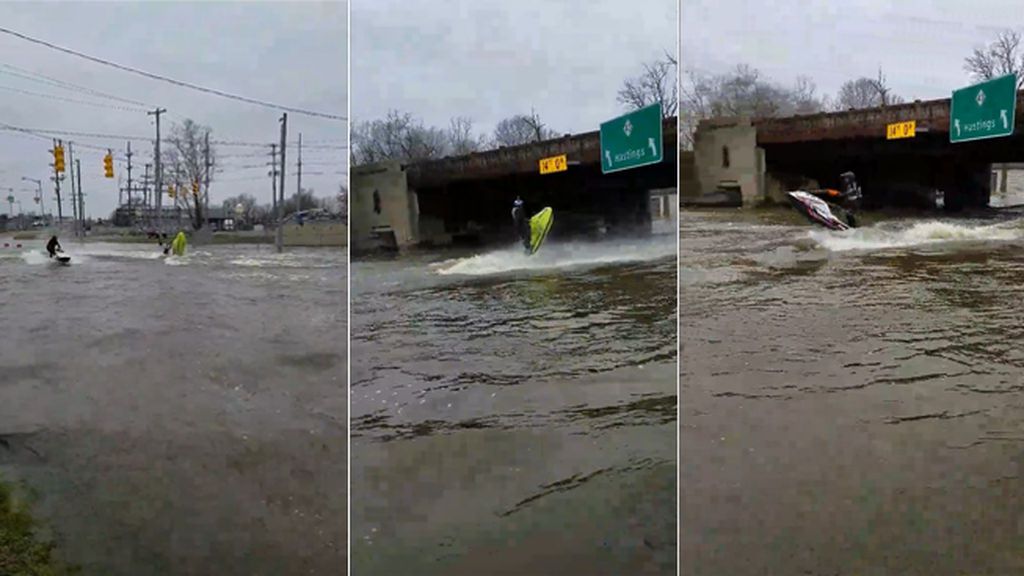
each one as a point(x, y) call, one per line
point(850, 401)
point(514, 414)
point(180, 415)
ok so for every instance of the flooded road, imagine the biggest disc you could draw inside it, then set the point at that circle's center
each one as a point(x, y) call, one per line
point(182, 415)
point(513, 414)
point(852, 403)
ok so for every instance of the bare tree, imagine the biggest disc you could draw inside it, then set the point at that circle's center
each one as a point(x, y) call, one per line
point(522, 129)
point(461, 139)
point(695, 104)
point(398, 136)
point(1002, 57)
point(248, 204)
point(657, 84)
point(185, 160)
point(741, 92)
point(805, 99)
point(866, 92)
point(343, 202)
point(856, 94)
point(306, 201)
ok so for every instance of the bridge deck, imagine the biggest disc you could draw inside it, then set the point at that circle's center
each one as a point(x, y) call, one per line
point(932, 116)
point(584, 148)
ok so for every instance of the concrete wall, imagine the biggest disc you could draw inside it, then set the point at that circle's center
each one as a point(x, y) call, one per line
point(1007, 185)
point(664, 207)
point(689, 185)
point(398, 213)
point(315, 234)
point(745, 164)
point(776, 186)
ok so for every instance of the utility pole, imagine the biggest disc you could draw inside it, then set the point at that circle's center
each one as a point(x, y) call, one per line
point(74, 201)
point(145, 186)
point(298, 177)
point(39, 194)
point(56, 183)
point(81, 195)
point(273, 177)
point(280, 219)
point(129, 155)
point(206, 176)
point(158, 194)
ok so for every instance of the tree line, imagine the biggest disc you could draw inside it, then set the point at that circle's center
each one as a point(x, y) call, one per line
point(745, 92)
point(188, 157)
point(246, 208)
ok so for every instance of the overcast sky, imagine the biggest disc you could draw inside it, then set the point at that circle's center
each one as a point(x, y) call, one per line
point(490, 59)
point(919, 44)
point(293, 54)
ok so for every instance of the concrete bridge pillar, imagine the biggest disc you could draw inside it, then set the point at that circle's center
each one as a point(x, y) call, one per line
point(726, 155)
point(385, 211)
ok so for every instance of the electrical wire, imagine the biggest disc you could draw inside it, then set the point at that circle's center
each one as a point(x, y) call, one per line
point(44, 79)
point(170, 80)
point(72, 100)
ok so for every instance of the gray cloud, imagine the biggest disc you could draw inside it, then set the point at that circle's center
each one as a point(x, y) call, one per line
point(293, 54)
point(489, 60)
point(920, 44)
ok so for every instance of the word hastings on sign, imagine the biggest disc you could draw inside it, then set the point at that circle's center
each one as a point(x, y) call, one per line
point(632, 140)
point(984, 110)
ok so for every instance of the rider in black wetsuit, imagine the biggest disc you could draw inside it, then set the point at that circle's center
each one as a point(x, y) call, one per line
point(848, 199)
point(53, 246)
point(521, 222)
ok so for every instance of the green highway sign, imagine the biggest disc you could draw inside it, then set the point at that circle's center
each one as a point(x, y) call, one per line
point(632, 140)
point(985, 110)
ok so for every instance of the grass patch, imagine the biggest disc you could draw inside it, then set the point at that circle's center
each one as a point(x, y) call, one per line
point(23, 552)
point(215, 239)
point(249, 239)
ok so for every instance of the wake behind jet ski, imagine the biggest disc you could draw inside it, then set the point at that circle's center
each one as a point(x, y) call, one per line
point(835, 215)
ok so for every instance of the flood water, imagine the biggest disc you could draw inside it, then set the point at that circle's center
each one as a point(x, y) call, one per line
point(851, 401)
point(181, 415)
point(513, 414)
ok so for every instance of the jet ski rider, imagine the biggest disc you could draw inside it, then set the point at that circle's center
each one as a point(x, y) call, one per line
point(521, 223)
point(848, 199)
point(53, 246)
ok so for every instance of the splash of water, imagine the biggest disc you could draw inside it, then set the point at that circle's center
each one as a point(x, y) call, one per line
point(559, 256)
point(924, 233)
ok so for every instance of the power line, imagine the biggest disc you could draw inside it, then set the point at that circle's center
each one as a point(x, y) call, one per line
point(323, 146)
point(169, 80)
point(44, 79)
point(80, 134)
point(246, 179)
point(104, 136)
point(40, 134)
point(72, 100)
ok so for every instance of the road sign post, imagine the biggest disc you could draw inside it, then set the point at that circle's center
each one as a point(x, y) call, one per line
point(632, 140)
point(985, 110)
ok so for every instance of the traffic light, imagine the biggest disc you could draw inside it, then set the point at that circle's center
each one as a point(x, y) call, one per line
point(58, 158)
point(108, 165)
point(170, 191)
point(195, 188)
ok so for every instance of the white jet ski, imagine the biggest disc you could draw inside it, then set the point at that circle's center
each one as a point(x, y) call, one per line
point(61, 257)
point(817, 210)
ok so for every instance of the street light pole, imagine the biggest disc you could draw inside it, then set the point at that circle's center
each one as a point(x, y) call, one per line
point(39, 185)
